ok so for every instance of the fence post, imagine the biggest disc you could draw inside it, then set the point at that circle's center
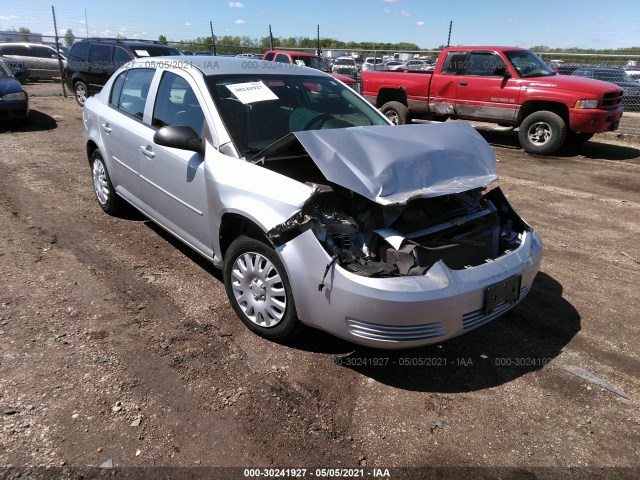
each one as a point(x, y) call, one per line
point(55, 28)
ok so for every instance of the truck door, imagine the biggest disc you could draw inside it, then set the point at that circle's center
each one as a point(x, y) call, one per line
point(444, 86)
point(485, 91)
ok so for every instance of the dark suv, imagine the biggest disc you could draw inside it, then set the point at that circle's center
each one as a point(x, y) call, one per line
point(92, 62)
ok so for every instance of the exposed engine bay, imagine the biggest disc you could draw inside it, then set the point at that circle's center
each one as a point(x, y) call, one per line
point(462, 229)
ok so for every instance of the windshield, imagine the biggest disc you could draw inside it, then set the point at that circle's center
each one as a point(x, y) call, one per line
point(261, 109)
point(4, 71)
point(612, 76)
point(528, 64)
point(377, 61)
point(345, 61)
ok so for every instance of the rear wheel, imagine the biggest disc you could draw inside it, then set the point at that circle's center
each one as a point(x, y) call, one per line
point(542, 132)
point(259, 290)
point(81, 92)
point(397, 112)
point(108, 200)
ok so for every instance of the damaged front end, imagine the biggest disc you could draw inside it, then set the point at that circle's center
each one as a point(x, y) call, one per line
point(463, 230)
point(394, 201)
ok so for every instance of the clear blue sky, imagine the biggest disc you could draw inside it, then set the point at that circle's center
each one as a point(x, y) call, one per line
point(557, 23)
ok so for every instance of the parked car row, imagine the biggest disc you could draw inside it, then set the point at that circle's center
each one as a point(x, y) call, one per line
point(40, 62)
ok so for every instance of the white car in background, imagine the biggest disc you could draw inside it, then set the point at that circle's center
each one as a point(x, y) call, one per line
point(371, 63)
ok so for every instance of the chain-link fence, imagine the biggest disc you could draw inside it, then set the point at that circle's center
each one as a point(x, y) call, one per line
point(39, 61)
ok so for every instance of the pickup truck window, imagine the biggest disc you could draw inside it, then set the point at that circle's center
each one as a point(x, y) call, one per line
point(455, 63)
point(485, 64)
point(528, 64)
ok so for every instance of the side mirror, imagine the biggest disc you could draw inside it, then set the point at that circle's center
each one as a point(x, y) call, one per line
point(179, 136)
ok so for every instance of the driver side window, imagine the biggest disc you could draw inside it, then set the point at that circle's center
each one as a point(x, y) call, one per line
point(177, 104)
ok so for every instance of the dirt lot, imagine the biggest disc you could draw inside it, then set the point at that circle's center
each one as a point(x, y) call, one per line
point(118, 346)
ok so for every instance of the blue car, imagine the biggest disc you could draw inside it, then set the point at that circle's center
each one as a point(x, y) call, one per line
point(14, 101)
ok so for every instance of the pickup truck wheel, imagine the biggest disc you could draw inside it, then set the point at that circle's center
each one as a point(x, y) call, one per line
point(81, 92)
point(542, 133)
point(258, 288)
point(576, 138)
point(397, 112)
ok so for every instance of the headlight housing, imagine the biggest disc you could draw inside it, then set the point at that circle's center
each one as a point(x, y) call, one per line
point(14, 96)
point(587, 103)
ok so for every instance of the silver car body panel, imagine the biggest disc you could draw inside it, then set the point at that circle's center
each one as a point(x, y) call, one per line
point(400, 312)
point(190, 194)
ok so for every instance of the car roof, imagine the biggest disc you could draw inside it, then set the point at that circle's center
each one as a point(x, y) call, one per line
point(128, 43)
point(218, 65)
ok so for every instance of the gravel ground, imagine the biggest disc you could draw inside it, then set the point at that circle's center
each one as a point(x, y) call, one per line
point(119, 349)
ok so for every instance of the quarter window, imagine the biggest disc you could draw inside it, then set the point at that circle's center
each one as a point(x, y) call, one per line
point(485, 64)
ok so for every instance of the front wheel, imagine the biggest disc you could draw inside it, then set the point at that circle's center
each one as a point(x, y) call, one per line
point(259, 290)
point(397, 112)
point(542, 132)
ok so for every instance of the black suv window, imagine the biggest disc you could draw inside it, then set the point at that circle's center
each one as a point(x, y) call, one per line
point(120, 57)
point(80, 51)
point(134, 89)
point(100, 54)
point(177, 104)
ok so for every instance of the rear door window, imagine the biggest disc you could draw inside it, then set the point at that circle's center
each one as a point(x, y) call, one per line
point(100, 55)
point(133, 95)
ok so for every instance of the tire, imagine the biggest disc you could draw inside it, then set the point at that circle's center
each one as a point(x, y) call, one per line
point(80, 92)
point(577, 138)
point(106, 195)
point(397, 112)
point(258, 289)
point(542, 132)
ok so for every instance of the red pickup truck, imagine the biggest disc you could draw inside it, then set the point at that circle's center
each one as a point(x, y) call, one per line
point(508, 86)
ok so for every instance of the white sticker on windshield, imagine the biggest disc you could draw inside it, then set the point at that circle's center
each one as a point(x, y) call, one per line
point(252, 92)
point(142, 53)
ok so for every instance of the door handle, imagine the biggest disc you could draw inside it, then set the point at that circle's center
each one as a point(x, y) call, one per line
point(106, 127)
point(463, 84)
point(146, 151)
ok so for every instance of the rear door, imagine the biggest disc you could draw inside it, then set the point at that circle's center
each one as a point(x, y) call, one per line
point(444, 86)
point(484, 91)
point(120, 126)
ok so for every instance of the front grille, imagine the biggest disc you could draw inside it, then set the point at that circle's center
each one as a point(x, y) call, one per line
point(477, 317)
point(612, 99)
point(403, 333)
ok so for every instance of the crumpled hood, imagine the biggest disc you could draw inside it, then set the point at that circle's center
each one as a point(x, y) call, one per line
point(394, 164)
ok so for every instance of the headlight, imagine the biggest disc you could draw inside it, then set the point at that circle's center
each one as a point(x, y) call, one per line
point(14, 96)
point(587, 104)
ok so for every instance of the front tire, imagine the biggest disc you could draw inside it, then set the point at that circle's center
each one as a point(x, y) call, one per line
point(542, 133)
point(258, 289)
point(397, 112)
point(81, 92)
point(106, 195)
